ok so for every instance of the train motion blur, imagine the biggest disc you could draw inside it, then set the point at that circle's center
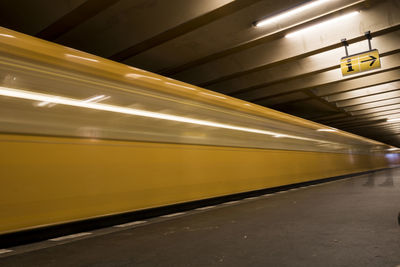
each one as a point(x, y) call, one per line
point(84, 137)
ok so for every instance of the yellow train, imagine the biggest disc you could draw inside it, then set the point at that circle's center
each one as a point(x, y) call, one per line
point(84, 137)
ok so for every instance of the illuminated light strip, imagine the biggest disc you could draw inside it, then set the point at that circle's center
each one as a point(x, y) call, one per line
point(7, 35)
point(42, 104)
point(84, 58)
point(133, 68)
point(290, 13)
point(293, 34)
point(327, 130)
point(213, 95)
point(393, 120)
point(4, 91)
point(137, 76)
point(92, 99)
point(96, 98)
point(393, 148)
point(3, 251)
point(186, 87)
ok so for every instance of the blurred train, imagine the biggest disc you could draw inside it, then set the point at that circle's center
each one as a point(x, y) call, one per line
point(85, 137)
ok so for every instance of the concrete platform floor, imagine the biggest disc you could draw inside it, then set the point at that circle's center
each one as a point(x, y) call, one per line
point(351, 222)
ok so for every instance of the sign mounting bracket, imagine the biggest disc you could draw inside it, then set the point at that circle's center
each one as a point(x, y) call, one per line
point(369, 38)
point(345, 44)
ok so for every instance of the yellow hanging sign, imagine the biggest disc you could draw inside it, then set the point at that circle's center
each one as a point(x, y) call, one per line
point(361, 62)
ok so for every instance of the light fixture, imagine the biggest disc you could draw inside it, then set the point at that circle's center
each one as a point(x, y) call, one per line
point(289, 13)
point(393, 120)
point(393, 148)
point(326, 130)
point(83, 58)
point(346, 16)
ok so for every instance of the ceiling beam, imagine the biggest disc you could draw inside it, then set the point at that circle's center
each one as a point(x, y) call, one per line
point(319, 82)
point(284, 59)
point(364, 124)
point(368, 91)
point(271, 53)
point(182, 29)
point(74, 18)
point(378, 109)
point(258, 41)
point(355, 121)
point(369, 101)
point(373, 104)
point(303, 68)
point(359, 82)
point(337, 120)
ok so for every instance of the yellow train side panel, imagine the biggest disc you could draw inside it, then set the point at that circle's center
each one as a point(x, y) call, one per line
point(50, 180)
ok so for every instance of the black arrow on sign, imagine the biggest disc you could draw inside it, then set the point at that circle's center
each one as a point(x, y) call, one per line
point(373, 59)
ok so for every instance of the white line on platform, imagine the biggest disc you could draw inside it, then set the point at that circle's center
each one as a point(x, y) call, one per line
point(250, 198)
point(2, 251)
point(70, 236)
point(173, 214)
point(129, 224)
point(205, 208)
point(230, 202)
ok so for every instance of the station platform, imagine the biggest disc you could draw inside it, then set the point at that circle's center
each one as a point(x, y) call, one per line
point(348, 222)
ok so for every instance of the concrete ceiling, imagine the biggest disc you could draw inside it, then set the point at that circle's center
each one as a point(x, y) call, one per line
point(212, 43)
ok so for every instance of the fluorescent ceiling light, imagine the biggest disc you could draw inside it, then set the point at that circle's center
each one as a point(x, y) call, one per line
point(327, 130)
point(346, 16)
point(393, 120)
point(393, 148)
point(83, 58)
point(290, 13)
point(186, 87)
